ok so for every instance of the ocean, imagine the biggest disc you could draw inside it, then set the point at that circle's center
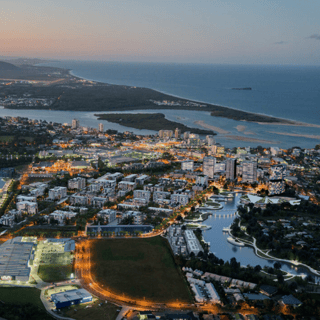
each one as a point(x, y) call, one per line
point(280, 91)
point(290, 92)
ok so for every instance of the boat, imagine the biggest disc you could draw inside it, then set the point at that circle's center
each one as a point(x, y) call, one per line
point(226, 229)
point(235, 242)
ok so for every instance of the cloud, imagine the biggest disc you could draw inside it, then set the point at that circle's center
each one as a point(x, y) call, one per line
point(315, 36)
point(280, 42)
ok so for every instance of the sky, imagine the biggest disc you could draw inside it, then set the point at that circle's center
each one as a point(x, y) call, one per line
point(198, 31)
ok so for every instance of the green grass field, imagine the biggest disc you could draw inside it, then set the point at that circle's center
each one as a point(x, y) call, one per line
point(21, 295)
point(55, 272)
point(106, 311)
point(139, 268)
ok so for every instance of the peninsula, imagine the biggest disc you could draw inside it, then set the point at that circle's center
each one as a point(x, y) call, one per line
point(34, 87)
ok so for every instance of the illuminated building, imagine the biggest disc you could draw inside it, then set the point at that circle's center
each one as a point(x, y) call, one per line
point(208, 166)
point(75, 124)
point(231, 169)
point(187, 165)
point(71, 297)
point(249, 171)
point(177, 133)
point(15, 257)
point(276, 184)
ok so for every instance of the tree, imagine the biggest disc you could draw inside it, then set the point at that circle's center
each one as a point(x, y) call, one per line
point(257, 268)
point(280, 278)
point(277, 265)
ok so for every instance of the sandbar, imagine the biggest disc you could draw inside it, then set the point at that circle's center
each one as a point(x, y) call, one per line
point(310, 136)
point(239, 138)
point(210, 127)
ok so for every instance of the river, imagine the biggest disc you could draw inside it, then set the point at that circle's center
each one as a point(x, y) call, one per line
point(225, 250)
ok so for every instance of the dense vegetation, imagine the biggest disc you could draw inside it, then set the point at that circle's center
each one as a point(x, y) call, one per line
point(275, 239)
point(149, 121)
point(22, 303)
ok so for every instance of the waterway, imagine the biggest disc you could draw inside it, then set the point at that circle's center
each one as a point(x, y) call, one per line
point(2, 183)
point(225, 250)
point(231, 137)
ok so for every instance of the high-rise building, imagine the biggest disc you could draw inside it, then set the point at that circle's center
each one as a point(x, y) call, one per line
point(100, 127)
point(75, 124)
point(177, 133)
point(210, 140)
point(277, 174)
point(208, 166)
point(231, 169)
point(249, 171)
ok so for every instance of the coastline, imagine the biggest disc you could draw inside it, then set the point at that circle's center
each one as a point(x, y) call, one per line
point(280, 121)
point(143, 103)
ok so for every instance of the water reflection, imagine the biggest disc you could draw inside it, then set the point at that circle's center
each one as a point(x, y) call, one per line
point(224, 250)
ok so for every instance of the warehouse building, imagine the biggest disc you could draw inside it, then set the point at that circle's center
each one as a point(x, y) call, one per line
point(71, 297)
point(15, 257)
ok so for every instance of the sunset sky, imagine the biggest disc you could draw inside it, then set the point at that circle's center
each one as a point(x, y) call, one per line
point(208, 31)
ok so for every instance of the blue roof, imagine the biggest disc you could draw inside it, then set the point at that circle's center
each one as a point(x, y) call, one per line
point(291, 300)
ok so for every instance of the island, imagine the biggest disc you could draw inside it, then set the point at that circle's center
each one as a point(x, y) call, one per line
point(149, 121)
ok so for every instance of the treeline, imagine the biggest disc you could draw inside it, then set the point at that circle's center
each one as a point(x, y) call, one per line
point(14, 311)
point(4, 163)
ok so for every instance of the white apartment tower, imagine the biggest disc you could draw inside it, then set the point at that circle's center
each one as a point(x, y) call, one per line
point(100, 127)
point(75, 124)
point(208, 166)
point(249, 171)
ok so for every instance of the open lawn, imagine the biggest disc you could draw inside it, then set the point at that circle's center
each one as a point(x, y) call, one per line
point(139, 268)
point(21, 296)
point(55, 272)
point(93, 311)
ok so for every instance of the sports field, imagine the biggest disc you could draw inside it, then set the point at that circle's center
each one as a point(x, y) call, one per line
point(54, 264)
point(139, 268)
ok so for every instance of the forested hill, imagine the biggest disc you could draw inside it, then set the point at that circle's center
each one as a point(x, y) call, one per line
point(5, 66)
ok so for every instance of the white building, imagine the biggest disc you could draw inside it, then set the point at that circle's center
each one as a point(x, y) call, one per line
point(109, 214)
point(249, 171)
point(77, 183)
point(187, 165)
point(208, 166)
point(126, 185)
point(57, 193)
point(202, 180)
point(193, 244)
point(100, 127)
point(27, 207)
point(181, 199)
point(75, 124)
point(142, 194)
